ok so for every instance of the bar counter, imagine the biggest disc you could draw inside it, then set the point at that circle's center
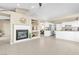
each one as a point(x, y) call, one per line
point(68, 35)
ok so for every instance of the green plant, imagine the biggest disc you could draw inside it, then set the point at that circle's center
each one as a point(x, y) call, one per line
point(29, 35)
point(0, 31)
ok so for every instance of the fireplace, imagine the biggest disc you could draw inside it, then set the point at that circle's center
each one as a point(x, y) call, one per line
point(21, 34)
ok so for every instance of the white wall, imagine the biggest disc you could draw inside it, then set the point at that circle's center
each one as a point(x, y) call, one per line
point(58, 26)
point(4, 17)
point(72, 23)
point(5, 27)
point(43, 25)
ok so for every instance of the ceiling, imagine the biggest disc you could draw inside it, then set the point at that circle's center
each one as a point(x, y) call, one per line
point(47, 11)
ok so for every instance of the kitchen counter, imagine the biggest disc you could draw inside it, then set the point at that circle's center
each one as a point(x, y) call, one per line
point(68, 35)
point(47, 33)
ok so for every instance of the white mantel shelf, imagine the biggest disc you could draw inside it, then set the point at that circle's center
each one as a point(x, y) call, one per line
point(68, 35)
point(20, 27)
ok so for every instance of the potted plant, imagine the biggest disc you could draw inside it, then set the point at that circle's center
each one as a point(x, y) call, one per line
point(29, 35)
point(1, 33)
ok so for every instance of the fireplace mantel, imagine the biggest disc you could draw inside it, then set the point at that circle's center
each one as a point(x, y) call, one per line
point(20, 27)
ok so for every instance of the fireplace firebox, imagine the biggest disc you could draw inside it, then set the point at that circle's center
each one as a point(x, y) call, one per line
point(21, 34)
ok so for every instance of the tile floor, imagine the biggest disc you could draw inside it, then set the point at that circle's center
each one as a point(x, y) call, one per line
point(42, 46)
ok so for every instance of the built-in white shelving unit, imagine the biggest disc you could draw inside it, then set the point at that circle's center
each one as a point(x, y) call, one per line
point(35, 29)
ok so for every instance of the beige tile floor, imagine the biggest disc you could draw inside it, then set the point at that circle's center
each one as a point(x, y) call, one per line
point(42, 46)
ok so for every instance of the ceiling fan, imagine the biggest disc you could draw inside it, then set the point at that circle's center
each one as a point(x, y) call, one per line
point(40, 4)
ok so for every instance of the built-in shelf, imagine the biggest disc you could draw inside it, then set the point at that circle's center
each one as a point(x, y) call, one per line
point(35, 29)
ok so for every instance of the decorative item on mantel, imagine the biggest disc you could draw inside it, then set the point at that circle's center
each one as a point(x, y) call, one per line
point(23, 20)
point(1, 33)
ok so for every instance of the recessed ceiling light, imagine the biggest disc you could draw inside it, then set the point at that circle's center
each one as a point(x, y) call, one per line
point(18, 5)
point(33, 7)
